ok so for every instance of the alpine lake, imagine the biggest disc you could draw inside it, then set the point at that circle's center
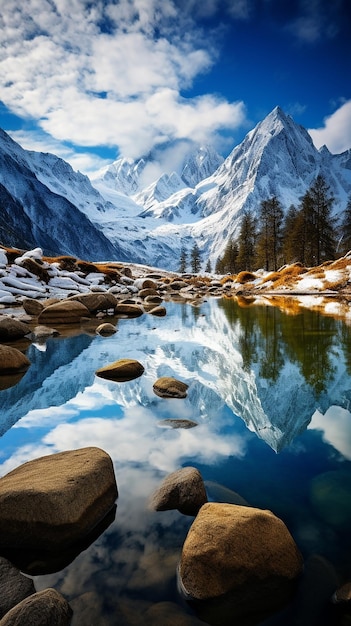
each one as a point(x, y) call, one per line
point(270, 395)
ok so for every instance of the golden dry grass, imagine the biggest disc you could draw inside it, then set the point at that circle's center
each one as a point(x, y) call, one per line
point(245, 277)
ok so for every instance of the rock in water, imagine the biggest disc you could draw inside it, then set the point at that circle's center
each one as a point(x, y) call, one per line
point(56, 500)
point(183, 490)
point(169, 387)
point(121, 370)
point(243, 554)
point(44, 608)
point(12, 360)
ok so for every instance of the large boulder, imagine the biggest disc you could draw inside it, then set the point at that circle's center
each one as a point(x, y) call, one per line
point(64, 312)
point(169, 387)
point(56, 500)
point(44, 608)
point(121, 370)
point(11, 328)
point(245, 555)
point(183, 490)
point(12, 360)
point(14, 586)
point(101, 301)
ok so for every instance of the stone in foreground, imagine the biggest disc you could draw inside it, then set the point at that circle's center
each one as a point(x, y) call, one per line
point(121, 370)
point(14, 586)
point(168, 387)
point(44, 608)
point(183, 490)
point(245, 555)
point(56, 500)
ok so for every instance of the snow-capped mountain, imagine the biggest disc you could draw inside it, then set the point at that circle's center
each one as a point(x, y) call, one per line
point(41, 197)
point(150, 225)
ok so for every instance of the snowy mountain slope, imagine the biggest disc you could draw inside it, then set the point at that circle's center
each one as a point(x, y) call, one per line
point(41, 217)
point(151, 225)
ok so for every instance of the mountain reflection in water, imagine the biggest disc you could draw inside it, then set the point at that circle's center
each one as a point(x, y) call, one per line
point(260, 382)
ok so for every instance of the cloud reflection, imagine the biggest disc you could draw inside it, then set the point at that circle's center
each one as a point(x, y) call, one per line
point(336, 426)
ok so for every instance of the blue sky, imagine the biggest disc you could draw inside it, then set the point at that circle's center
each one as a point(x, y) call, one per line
point(91, 80)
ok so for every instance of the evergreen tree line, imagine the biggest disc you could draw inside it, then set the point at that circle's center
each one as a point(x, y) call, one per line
point(308, 234)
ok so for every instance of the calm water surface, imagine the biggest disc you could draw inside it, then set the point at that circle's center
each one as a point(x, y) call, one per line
point(271, 395)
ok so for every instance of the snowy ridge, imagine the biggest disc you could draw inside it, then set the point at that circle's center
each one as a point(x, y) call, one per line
point(201, 203)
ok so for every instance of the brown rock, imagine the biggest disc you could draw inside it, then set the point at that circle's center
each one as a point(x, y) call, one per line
point(11, 328)
point(183, 490)
point(55, 500)
point(168, 387)
point(12, 360)
point(153, 299)
point(144, 293)
point(32, 306)
point(130, 310)
point(121, 370)
point(63, 312)
point(44, 608)
point(14, 586)
point(106, 329)
point(96, 301)
point(158, 311)
point(245, 552)
point(343, 595)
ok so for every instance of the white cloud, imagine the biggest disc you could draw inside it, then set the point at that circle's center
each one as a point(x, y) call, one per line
point(336, 426)
point(38, 141)
point(110, 74)
point(336, 132)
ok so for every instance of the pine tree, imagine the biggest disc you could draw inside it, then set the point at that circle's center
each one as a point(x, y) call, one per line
point(269, 241)
point(183, 261)
point(208, 268)
point(195, 259)
point(290, 238)
point(246, 242)
point(229, 258)
point(345, 234)
point(315, 227)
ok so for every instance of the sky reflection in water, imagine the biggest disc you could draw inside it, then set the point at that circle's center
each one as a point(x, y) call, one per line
point(252, 392)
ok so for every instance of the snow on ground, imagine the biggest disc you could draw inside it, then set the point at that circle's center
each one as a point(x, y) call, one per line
point(316, 288)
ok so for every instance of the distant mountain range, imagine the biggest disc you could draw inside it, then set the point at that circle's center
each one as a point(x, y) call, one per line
point(111, 216)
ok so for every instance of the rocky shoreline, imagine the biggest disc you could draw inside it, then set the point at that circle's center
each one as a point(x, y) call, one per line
point(42, 297)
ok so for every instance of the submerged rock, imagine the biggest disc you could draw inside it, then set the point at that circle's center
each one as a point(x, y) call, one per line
point(183, 490)
point(55, 500)
point(44, 608)
point(121, 370)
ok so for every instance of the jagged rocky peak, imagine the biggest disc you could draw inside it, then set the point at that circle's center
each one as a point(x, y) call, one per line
point(122, 175)
point(201, 163)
